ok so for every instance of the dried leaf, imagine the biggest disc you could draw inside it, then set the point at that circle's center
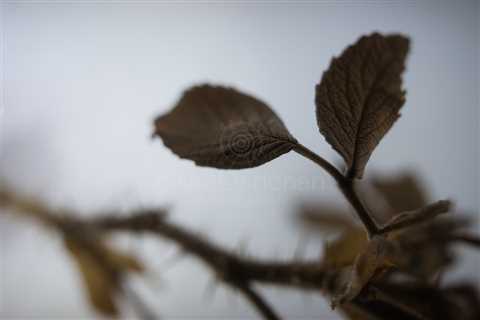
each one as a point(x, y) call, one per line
point(101, 267)
point(350, 241)
point(373, 261)
point(100, 285)
point(360, 95)
point(403, 192)
point(343, 251)
point(325, 218)
point(421, 254)
point(223, 128)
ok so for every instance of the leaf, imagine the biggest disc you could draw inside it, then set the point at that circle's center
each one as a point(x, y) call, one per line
point(343, 250)
point(403, 192)
point(422, 252)
point(325, 218)
point(360, 95)
point(349, 241)
point(378, 256)
point(101, 267)
point(223, 128)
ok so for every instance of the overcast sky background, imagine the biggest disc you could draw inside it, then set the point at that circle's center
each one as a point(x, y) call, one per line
point(82, 83)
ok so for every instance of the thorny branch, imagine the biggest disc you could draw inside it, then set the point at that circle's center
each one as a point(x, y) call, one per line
point(239, 272)
point(234, 270)
point(230, 267)
point(262, 306)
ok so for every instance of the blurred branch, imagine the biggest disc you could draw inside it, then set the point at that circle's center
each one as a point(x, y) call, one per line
point(235, 270)
point(102, 267)
point(228, 266)
point(262, 306)
point(465, 238)
point(232, 269)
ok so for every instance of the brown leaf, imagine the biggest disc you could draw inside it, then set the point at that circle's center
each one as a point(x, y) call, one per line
point(343, 251)
point(403, 192)
point(373, 261)
point(360, 95)
point(418, 238)
point(101, 267)
point(421, 254)
point(325, 218)
point(223, 128)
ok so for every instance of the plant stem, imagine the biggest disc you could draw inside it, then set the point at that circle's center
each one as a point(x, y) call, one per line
point(349, 192)
point(345, 185)
point(229, 267)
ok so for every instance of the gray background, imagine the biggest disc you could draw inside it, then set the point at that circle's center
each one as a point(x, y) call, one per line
point(82, 83)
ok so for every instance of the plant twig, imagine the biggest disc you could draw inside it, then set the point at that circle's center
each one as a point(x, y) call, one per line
point(262, 306)
point(465, 238)
point(232, 269)
point(380, 295)
point(238, 272)
point(228, 266)
point(345, 185)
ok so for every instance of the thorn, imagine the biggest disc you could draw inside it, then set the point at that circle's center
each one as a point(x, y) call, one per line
point(154, 281)
point(210, 289)
point(140, 307)
point(438, 277)
point(242, 247)
point(299, 252)
point(326, 245)
point(233, 298)
point(172, 261)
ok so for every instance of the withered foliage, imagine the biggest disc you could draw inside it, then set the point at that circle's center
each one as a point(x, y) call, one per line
point(102, 267)
point(388, 266)
point(360, 95)
point(223, 128)
point(409, 262)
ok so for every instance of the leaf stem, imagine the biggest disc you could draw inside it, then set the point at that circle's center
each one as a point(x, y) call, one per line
point(327, 166)
point(345, 185)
